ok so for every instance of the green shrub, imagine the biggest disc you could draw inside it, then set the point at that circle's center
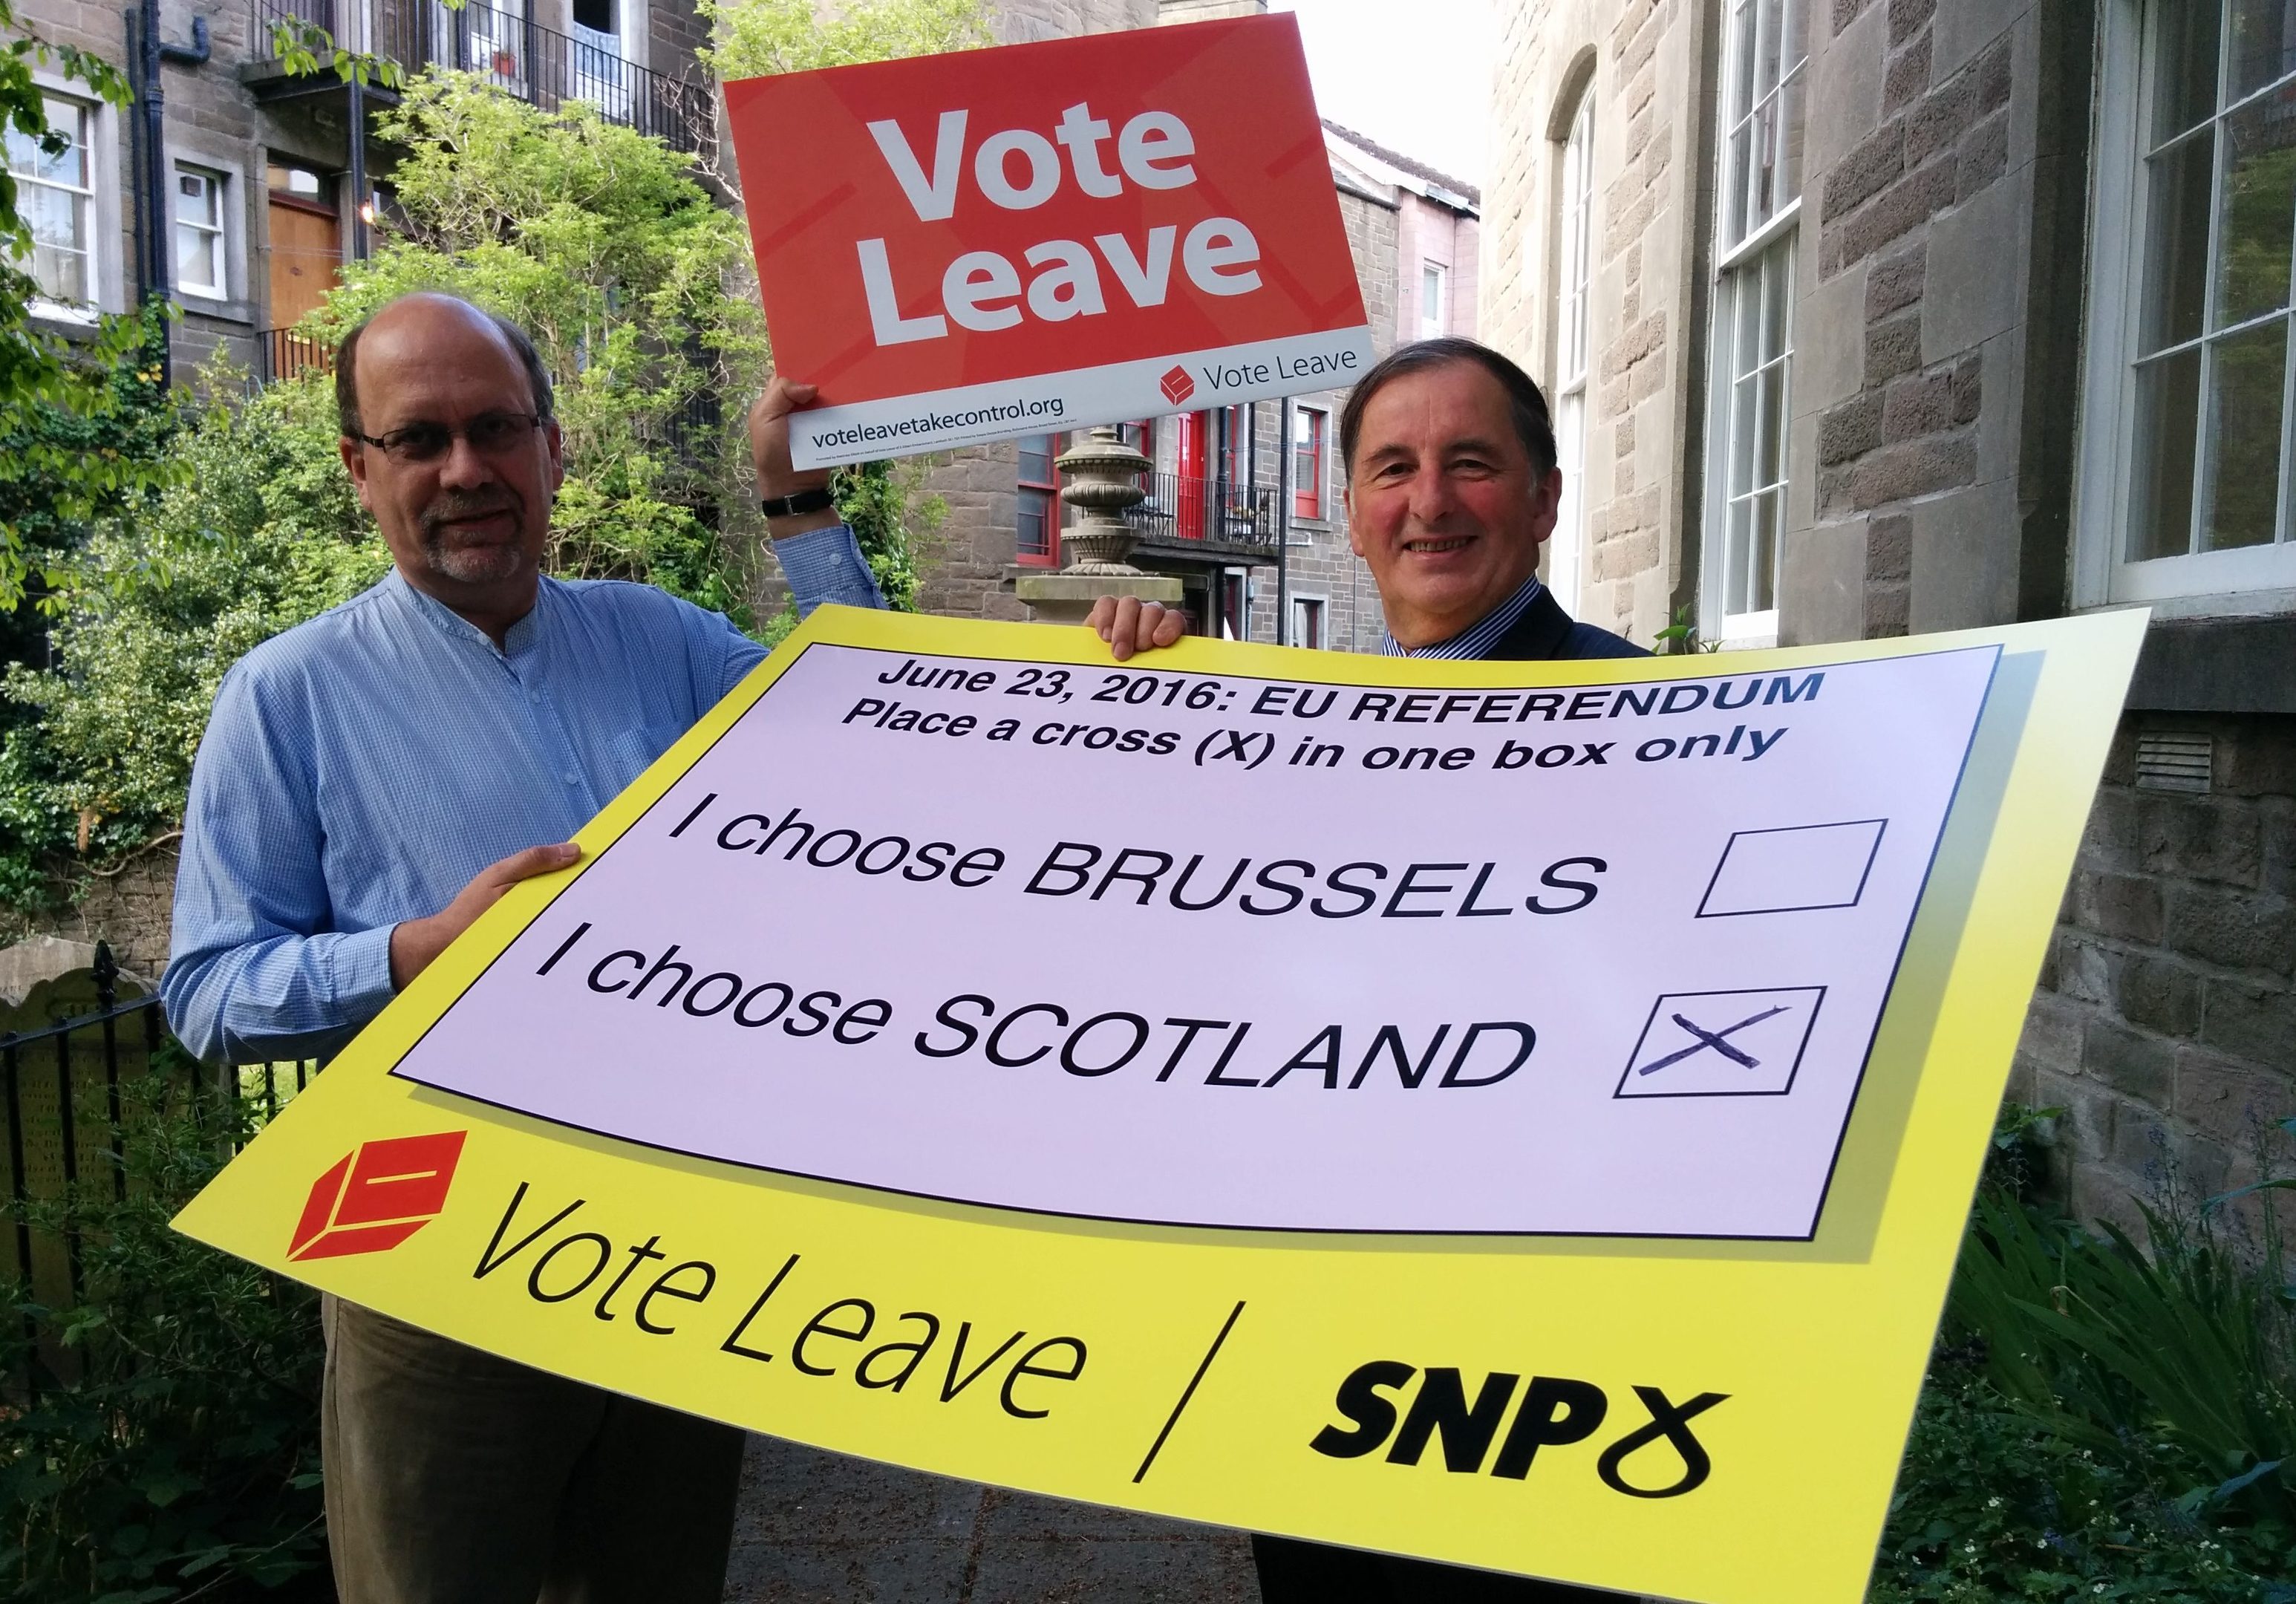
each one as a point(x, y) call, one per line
point(174, 1451)
point(1993, 1505)
point(2105, 1419)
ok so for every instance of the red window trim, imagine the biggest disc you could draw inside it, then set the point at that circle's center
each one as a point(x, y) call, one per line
point(1307, 502)
point(1050, 488)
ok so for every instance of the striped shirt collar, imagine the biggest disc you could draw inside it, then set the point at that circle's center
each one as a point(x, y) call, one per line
point(1478, 638)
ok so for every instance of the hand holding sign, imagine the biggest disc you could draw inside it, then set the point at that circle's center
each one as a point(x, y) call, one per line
point(969, 248)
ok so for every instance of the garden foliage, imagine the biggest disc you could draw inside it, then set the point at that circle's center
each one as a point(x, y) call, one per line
point(2105, 1420)
point(50, 385)
point(162, 1440)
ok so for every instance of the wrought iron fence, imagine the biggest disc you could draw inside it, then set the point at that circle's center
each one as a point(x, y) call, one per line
point(1182, 509)
point(510, 49)
point(283, 352)
point(51, 1076)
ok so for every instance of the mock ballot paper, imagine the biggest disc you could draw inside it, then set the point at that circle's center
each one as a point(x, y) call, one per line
point(1584, 1047)
point(1516, 1114)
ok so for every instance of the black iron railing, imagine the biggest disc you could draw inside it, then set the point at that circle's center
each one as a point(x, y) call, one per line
point(536, 63)
point(283, 352)
point(1208, 510)
point(62, 1090)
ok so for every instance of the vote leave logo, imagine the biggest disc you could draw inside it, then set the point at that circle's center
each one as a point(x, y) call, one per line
point(376, 1196)
point(1177, 386)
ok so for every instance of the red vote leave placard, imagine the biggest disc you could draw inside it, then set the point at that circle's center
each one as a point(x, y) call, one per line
point(1039, 237)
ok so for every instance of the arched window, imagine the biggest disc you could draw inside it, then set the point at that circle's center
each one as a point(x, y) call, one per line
point(1566, 552)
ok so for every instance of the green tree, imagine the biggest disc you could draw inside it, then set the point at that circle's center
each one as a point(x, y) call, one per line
point(261, 533)
point(752, 38)
point(61, 403)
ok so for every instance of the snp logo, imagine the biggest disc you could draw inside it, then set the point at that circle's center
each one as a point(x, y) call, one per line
point(1554, 1412)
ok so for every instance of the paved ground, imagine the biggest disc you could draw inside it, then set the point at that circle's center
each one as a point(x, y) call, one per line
point(821, 1528)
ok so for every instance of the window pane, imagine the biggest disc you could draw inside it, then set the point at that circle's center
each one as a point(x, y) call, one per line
point(2177, 238)
point(2167, 406)
point(1762, 560)
point(1789, 161)
point(196, 194)
point(1769, 454)
point(2247, 377)
point(58, 220)
point(2260, 211)
point(196, 259)
point(2263, 44)
point(1734, 590)
point(1742, 56)
point(1035, 524)
point(2186, 44)
point(1036, 455)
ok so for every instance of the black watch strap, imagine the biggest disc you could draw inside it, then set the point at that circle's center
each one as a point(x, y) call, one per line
point(804, 501)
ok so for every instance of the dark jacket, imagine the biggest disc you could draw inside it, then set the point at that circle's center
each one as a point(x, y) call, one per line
point(1546, 634)
point(1293, 1571)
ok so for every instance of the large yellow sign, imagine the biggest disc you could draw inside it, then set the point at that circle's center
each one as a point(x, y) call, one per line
point(1521, 1115)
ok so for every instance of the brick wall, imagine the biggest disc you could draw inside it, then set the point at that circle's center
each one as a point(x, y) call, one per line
point(2165, 1026)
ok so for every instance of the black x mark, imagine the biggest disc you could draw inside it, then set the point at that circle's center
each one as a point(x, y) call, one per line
point(1714, 1039)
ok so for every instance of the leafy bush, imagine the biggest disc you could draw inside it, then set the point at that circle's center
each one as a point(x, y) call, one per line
point(1992, 1505)
point(175, 1453)
point(2106, 1420)
point(261, 533)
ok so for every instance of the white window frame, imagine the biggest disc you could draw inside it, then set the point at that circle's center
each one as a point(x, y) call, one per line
point(1434, 322)
point(1293, 633)
point(101, 163)
point(1752, 243)
point(1566, 548)
point(2248, 580)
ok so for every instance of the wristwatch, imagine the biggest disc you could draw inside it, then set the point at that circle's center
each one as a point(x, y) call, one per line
point(804, 501)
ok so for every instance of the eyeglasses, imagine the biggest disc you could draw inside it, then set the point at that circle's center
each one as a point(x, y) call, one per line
point(490, 434)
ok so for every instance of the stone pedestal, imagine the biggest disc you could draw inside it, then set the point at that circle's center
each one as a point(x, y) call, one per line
point(1100, 474)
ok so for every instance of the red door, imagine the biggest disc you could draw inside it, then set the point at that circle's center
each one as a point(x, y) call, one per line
point(1195, 467)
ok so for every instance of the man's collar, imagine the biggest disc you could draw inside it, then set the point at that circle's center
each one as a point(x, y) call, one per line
point(445, 619)
point(1478, 638)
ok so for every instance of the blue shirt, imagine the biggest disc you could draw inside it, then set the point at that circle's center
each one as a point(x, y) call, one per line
point(359, 769)
point(1471, 642)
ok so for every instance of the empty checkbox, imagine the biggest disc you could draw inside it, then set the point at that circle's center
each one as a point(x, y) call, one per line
point(1793, 870)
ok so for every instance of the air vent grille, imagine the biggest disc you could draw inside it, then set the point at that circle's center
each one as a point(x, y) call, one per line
point(2174, 763)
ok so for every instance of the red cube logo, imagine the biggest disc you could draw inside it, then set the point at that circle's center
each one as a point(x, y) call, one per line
point(1177, 386)
point(377, 1196)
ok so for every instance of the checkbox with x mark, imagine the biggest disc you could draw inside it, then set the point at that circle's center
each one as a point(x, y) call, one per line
point(1722, 1043)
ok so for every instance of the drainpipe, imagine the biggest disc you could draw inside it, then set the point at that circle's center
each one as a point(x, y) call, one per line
point(357, 135)
point(1283, 470)
point(159, 275)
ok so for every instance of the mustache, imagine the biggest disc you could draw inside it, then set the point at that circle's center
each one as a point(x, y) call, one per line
point(452, 505)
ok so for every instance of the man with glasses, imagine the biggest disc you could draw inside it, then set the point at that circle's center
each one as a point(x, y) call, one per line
point(369, 782)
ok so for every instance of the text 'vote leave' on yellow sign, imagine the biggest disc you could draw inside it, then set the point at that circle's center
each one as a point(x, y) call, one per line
point(1521, 1115)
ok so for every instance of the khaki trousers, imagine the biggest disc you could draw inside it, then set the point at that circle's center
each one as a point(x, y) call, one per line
point(457, 1477)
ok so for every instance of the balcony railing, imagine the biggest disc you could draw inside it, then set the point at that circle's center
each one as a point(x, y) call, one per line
point(536, 63)
point(1179, 509)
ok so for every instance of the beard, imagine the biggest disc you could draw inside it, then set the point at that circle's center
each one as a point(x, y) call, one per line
point(453, 552)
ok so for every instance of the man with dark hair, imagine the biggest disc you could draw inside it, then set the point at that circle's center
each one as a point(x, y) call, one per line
point(369, 782)
point(1452, 487)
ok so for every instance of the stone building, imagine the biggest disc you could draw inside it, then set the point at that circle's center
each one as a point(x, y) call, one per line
point(1871, 317)
point(259, 182)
